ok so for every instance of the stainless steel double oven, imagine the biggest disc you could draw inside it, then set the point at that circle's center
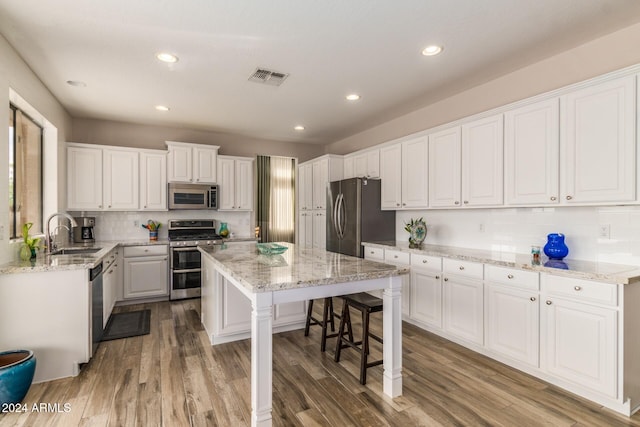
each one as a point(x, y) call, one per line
point(184, 238)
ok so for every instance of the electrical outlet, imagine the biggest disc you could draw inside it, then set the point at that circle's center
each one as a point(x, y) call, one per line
point(604, 231)
point(481, 228)
point(136, 223)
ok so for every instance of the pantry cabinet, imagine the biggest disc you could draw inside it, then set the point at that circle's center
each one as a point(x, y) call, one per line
point(404, 179)
point(235, 179)
point(195, 163)
point(598, 131)
point(532, 154)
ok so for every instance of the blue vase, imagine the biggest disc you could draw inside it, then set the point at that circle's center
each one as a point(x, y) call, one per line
point(555, 247)
point(16, 374)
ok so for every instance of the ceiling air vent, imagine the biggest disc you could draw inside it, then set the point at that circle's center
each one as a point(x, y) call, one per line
point(268, 77)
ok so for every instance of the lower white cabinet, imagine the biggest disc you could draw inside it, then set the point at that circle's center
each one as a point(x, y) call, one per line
point(145, 271)
point(426, 297)
point(319, 222)
point(111, 284)
point(463, 308)
point(305, 229)
point(402, 259)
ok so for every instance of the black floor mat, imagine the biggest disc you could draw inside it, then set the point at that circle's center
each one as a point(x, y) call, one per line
point(129, 324)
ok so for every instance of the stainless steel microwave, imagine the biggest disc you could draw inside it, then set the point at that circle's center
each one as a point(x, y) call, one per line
point(192, 196)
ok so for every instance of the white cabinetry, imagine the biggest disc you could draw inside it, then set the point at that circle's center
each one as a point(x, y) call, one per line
point(319, 226)
point(402, 259)
point(153, 180)
point(404, 178)
point(235, 178)
point(195, 163)
point(362, 164)
point(120, 179)
point(84, 178)
point(111, 283)
point(512, 314)
point(532, 150)
point(145, 271)
point(445, 151)
point(426, 291)
point(463, 299)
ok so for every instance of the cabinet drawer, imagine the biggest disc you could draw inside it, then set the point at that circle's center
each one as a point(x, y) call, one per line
point(426, 262)
point(514, 277)
point(374, 253)
point(147, 250)
point(583, 290)
point(396, 257)
point(463, 268)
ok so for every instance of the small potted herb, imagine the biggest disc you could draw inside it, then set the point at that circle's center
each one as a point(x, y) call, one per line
point(29, 244)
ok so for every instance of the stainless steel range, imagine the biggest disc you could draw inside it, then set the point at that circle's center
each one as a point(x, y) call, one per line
point(184, 238)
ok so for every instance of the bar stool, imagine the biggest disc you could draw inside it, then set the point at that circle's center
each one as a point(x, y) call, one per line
point(367, 304)
point(328, 316)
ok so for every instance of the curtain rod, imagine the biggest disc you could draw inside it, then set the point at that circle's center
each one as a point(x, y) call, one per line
point(282, 157)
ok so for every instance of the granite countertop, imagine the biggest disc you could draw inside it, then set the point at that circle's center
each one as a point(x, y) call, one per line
point(296, 268)
point(603, 272)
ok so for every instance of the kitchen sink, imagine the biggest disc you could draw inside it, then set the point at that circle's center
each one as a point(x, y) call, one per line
point(76, 251)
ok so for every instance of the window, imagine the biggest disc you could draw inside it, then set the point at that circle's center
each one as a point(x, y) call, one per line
point(25, 172)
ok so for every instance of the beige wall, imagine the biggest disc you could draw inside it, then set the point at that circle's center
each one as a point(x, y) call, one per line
point(614, 51)
point(16, 74)
point(106, 132)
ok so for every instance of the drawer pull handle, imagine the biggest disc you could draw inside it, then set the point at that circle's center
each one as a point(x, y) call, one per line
point(446, 280)
point(424, 261)
point(532, 299)
point(457, 202)
point(509, 276)
point(548, 302)
point(577, 288)
point(461, 267)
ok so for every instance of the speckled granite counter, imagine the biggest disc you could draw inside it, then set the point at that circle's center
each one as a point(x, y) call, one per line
point(603, 272)
point(296, 268)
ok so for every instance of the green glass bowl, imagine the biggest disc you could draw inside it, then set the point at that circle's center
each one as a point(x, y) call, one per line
point(271, 248)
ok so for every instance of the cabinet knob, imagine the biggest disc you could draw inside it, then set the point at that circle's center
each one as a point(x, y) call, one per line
point(577, 288)
point(424, 261)
point(233, 207)
point(532, 299)
point(395, 256)
point(457, 202)
point(466, 202)
point(509, 276)
point(553, 198)
point(437, 277)
point(372, 252)
point(239, 207)
point(569, 197)
point(109, 206)
point(145, 206)
point(547, 302)
point(197, 179)
point(404, 204)
point(461, 267)
point(100, 206)
point(446, 280)
point(397, 204)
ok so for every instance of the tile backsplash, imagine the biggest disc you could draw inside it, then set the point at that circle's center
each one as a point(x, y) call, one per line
point(517, 229)
point(120, 225)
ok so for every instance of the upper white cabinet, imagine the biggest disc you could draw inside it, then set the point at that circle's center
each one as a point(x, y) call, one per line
point(404, 176)
point(235, 178)
point(362, 164)
point(153, 180)
point(532, 150)
point(482, 173)
point(305, 186)
point(84, 178)
point(320, 170)
point(195, 163)
point(599, 142)
point(120, 179)
point(444, 168)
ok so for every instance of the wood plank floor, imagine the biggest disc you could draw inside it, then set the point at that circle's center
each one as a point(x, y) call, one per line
point(173, 377)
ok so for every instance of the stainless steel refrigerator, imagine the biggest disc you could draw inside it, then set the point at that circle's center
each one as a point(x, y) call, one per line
point(354, 216)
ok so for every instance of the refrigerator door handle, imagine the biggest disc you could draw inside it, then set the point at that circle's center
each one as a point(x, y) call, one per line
point(341, 216)
point(334, 216)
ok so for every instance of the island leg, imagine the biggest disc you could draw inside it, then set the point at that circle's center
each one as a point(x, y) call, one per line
point(392, 337)
point(261, 359)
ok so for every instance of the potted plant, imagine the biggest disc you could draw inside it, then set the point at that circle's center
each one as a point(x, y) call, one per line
point(29, 244)
point(417, 229)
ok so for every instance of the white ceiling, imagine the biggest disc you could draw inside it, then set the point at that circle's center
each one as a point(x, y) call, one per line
point(329, 47)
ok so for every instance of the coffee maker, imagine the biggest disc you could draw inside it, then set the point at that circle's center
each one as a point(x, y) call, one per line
point(83, 233)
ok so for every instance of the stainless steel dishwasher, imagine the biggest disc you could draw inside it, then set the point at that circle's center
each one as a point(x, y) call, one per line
point(95, 280)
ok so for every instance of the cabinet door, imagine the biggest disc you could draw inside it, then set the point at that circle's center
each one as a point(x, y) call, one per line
point(426, 297)
point(308, 225)
point(84, 178)
point(180, 164)
point(319, 229)
point(360, 165)
point(153, 181)
point(289, 312)
point(320, 179)
point(373, 164)
point(581, 344)
point(302, 230)
point(415, 176)
point(391, 177)
point(108, 290)
point(227, 183)
point(463, 308)
point(145, 277)
point(599, 143)
point(305, 186)
point(482, 162)
point(235, 311)
point(444, 168)
point(532, 150)
point(348, 168)
point(244, 184)
point(513, 323)
point(121, 179)
point(205, 164)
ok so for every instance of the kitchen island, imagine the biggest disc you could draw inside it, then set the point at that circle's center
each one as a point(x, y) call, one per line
point(299, 275)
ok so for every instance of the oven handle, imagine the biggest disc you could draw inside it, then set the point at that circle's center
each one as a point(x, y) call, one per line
point(189, 249)
point(188, 270)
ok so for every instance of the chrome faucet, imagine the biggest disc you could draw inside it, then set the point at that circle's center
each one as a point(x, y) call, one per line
point(48, 237)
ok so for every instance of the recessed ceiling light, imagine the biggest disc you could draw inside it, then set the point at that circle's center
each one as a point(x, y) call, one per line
point(299, 128)
point(431, 50)
point(167, 57)
point(76, 83)
point(353, 97)
point(162, 108)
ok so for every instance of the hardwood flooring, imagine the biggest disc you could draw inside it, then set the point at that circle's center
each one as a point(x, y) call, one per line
point(173, 377)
